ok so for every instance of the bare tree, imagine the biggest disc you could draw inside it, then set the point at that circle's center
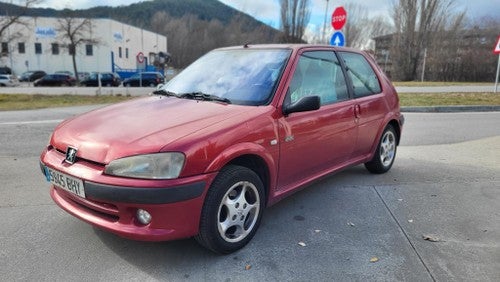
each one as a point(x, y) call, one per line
point(415, 21)
point(355, 27)
point(462, 52)
point(77, 31)
point(13, 16)
point(295, 15)
point(360, 29)
point(190, 37)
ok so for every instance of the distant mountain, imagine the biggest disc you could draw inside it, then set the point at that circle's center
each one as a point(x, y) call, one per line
point(140, 14)
point(193, 27)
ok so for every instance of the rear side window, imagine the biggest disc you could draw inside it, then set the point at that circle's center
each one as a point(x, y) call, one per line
point(363, 77)
point(318, 73)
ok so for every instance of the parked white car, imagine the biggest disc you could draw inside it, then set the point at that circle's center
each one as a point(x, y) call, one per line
point(8, 80)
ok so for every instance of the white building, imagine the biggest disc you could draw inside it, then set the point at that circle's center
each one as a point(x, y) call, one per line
point(40, 46)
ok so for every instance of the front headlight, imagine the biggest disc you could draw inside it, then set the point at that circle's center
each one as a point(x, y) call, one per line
point(151, 166)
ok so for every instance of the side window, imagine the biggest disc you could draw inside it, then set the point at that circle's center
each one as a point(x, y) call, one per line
point(364, 79)
point(318, 73)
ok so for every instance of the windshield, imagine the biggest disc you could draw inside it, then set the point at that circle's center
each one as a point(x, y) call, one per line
point(245, 77)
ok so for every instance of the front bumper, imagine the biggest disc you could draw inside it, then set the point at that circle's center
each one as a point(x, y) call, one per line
point(111, 203)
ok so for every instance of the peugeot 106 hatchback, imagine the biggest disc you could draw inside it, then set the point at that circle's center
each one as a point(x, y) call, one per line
point(235, 132)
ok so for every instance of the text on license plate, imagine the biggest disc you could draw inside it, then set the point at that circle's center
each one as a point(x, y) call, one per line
point(66, 182)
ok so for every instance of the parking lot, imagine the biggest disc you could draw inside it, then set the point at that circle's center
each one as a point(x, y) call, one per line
point(434, 217)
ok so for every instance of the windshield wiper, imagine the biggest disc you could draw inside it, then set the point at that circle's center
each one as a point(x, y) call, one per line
point(204, 97)
point(165, 93)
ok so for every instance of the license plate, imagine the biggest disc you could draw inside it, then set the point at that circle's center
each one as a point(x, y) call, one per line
point(66, 182)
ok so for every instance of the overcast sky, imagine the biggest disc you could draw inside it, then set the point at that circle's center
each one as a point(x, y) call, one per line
point(267, 11)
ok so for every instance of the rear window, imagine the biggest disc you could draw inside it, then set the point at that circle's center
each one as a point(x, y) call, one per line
point(362, 75)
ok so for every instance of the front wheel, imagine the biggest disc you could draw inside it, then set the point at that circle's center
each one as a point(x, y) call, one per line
point(232, 210)
point(386, 152)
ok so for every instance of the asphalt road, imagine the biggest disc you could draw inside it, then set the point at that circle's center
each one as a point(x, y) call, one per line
point(445, 184)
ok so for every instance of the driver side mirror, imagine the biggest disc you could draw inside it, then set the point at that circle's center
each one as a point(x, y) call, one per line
point(304, 104)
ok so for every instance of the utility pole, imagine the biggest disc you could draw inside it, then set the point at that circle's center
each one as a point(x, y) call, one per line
point(324, 23)
point(423, 65)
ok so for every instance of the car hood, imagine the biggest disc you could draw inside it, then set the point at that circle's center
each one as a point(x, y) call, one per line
point(140, 126)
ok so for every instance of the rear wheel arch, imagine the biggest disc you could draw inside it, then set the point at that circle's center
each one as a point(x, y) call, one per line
point(397, 128)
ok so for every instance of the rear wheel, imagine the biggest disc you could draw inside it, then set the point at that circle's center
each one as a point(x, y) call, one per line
point(232, 210)
point(386, 152)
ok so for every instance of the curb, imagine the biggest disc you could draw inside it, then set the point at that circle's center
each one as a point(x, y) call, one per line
point(450, 109)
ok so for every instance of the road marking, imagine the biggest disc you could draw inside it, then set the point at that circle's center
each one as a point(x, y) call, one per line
point(32, 122)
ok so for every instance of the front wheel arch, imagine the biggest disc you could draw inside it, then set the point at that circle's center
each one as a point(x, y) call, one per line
point(232, 210)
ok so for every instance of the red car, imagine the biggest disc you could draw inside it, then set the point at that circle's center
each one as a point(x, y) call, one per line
point(212, 148)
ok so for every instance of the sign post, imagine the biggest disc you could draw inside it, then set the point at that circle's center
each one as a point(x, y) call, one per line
point(140, 66)
point(339, 18)
point(338, 39)
point(497, 51)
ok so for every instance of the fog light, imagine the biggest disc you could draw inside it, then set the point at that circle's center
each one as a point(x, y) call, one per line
point(143, 216)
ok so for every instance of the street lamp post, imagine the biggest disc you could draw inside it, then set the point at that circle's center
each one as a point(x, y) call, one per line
point(324, 23)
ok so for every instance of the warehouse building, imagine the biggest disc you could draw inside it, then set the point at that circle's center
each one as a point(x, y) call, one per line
point(37, 43)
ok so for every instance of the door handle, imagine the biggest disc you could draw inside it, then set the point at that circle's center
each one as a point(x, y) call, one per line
point(357, 111)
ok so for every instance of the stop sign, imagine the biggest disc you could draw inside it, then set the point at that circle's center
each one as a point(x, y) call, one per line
point(339, 18)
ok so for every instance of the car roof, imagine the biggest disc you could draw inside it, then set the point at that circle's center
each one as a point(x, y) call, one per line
point(295, 47)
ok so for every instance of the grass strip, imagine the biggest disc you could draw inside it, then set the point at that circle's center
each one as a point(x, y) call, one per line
point(11, 102)
point(449, 99)
point(438, 83)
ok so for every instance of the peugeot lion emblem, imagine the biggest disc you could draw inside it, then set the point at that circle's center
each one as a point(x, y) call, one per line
point(70, 155)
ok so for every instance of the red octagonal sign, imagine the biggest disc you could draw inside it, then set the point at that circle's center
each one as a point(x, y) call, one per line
point(339, 18)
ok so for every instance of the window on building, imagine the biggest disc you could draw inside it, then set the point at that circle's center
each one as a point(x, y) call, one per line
point(89, 50)
point(5, 47)
point(21, 48)
point(71, 49)
point(55, 49)
point(38, 48)
point(119, 52)
point(126, 53)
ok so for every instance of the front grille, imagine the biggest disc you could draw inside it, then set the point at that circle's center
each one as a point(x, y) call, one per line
point(88, 207)
point(63, 153)
point(105, 216)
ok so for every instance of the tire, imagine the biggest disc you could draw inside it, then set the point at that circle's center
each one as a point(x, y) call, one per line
point(386, 152)
point(232, 210)
point(152, 85)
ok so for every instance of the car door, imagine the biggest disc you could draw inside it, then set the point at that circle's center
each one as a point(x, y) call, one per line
point(315, 142)
point(370, 107)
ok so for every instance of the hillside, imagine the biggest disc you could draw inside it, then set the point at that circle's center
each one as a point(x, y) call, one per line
point(193, 27)
point(140, 14)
